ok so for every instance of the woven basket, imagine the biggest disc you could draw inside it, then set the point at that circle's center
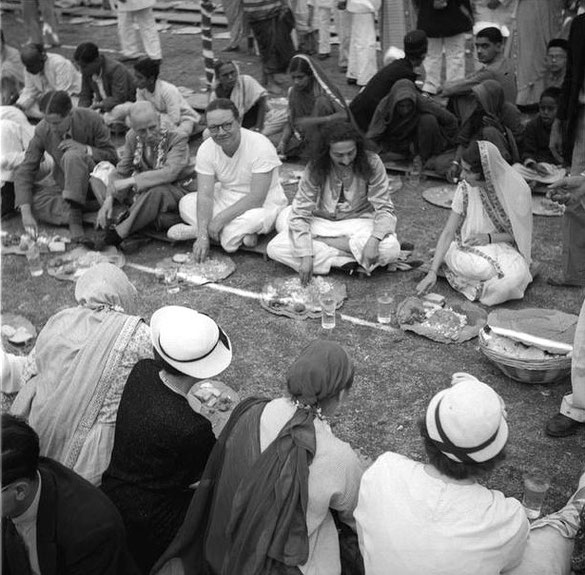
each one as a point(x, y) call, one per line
point(527, 370)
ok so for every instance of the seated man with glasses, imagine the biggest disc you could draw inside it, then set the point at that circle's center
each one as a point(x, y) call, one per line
point(239, 193)
point(556, 62)
point(152, 176)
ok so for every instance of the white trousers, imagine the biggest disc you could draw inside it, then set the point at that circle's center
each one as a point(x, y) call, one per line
point(362, 63)
point(129, 37)
point(358, 230)
point(342, 25)
point(573, 405)
point(454, 48)
point(255, 221)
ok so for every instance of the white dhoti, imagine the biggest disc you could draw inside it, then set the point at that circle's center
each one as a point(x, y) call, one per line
point(358, 230)
point(254, 221)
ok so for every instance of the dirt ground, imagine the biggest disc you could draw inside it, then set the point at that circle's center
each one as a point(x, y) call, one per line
point(397, 373)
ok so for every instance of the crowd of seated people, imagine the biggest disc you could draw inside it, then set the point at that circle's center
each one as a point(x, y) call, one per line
point(232, 195)
point(276, 490)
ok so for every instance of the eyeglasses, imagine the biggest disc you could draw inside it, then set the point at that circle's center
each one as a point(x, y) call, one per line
point(226, 127)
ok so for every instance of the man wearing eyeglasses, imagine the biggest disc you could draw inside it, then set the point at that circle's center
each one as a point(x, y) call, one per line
point(239, 194)
point(152, 176)
point(53, 521)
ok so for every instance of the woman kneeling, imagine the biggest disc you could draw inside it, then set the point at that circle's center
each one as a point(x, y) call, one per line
point(342, 214)
point(486, 242)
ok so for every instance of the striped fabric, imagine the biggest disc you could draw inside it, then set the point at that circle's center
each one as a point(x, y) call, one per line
point(207, 42)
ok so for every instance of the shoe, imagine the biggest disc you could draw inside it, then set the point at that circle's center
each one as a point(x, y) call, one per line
point(234, 48)
point(182, 233)
point(351, 81)
point(323, 56)
point(562, 283)
point(561, 426)
point(350, 267)
point(108, 238)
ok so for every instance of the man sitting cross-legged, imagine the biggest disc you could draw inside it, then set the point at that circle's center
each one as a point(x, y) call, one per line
point(152, 176)
point(239, 194)
point(77, 139)
point(342, 215)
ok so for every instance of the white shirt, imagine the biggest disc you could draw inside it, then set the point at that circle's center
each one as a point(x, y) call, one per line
point(255, 155)
point(58, 74)
point(410, 523)
point(26, 525)
point(169, 102)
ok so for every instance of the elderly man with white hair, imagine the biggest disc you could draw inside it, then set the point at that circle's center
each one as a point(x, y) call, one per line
point(152, 176)
point(436, 518)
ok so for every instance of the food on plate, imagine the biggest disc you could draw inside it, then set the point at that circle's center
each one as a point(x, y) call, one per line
point(212, 398)
point(298, 297)
point(8, 331)
point(21, 336)
point(56, 246)
point(515, 349)
point(435, 298)
point(90, 259)
point(181, 258)
point(446, 322)
point(411, 310)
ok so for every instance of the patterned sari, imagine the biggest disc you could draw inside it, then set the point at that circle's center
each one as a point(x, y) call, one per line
point(496, 272)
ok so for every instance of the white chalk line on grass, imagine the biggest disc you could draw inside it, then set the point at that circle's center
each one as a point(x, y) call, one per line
point(257, 296)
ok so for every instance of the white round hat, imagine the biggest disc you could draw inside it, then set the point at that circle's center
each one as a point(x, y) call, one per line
point(190, 341)
point(467, 421)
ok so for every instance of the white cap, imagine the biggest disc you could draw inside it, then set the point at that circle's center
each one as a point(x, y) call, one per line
point(467, 421)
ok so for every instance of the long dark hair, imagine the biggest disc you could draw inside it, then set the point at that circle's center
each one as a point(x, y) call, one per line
point(341, 131)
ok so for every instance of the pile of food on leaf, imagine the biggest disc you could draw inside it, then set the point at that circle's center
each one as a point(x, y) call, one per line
point(17, 335)
point(212, 398)
point(47, 243)
point(291, 294)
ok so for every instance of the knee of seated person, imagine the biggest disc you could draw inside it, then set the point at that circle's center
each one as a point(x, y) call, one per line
point(74, 155)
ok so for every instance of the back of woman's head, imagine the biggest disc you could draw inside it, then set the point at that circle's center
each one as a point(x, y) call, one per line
point(300, 63)
point(56, 102)
point(322, 370)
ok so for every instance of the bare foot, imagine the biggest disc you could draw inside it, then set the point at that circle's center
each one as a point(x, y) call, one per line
point(250, 240)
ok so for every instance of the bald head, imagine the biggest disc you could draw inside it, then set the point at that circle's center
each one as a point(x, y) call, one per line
point(145, 121)
point(33, 57)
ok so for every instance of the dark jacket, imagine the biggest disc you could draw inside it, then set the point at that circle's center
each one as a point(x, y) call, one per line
point(365, 103)
point(456, 18)
point(574, 77)
point(87, 127)
point(118, 82)
point(79, 531)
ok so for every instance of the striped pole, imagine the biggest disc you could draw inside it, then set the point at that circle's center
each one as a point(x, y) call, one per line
point(207, 40)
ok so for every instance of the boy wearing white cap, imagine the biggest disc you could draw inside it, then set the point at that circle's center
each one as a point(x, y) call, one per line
point(161, 445)
point(435, 518)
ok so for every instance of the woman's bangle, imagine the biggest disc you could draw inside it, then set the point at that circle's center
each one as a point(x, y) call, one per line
point(489, 238)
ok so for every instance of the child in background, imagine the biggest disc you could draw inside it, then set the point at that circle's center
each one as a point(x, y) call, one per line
point(536, 149)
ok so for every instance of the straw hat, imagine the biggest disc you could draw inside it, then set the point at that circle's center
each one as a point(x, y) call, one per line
point(190, 341)
point(467, 421)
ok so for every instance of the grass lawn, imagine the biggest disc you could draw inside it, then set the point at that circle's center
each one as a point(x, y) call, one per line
point(396, 373)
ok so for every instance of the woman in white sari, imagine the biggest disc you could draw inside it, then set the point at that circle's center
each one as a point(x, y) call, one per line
point(72, 386)
point(486, 243)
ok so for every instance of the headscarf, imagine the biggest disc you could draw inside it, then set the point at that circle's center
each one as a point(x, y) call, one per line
point(245, 93)
point(302, 104)
point(490, 94)
point(506, 198)
point(396, 129)
point(105, 285)
point(268, 519)
point(77, 353)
